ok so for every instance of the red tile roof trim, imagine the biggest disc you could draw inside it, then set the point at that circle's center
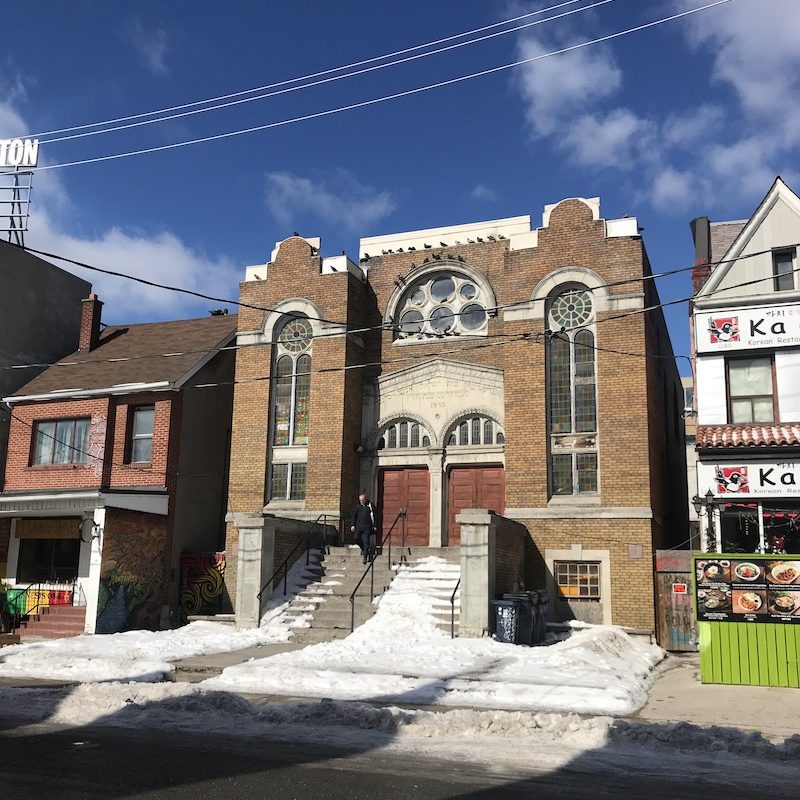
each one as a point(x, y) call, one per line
point(786, 434)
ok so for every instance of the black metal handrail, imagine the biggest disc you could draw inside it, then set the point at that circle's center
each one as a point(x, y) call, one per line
point(284, 567)
point(453, 611)
point(370, 567)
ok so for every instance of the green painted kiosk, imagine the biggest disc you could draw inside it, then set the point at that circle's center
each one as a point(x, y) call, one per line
point(748, 618)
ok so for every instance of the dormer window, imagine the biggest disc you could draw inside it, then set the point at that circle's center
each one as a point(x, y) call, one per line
point(443, 304)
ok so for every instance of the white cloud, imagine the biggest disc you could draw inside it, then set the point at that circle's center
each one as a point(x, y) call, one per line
point(554, 89)
point(484, 192)
point(616, 139)
point(150, 45)
point(159, 256)
point(292, 199)
point(729, 147)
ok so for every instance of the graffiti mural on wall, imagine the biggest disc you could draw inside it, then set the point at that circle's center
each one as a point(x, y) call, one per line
point(132, 588)
point(201, 583)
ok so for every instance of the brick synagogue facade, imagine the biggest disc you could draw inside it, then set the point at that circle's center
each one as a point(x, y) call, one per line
point(490, 365)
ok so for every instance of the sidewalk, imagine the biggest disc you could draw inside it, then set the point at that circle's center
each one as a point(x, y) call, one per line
point(198, 668)
point(678, 696)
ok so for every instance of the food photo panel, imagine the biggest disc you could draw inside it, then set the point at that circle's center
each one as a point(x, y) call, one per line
point(749, 601)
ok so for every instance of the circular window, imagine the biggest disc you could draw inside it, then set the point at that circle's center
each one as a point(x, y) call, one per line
point(468, 291)
point(417, 297)
point(296, 335)
point(473, 317)
point(571, 309)
point(443, 289)
point(411, 322)
point(442, 319)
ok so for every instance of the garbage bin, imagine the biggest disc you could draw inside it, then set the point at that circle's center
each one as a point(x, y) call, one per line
point(512, 620)
point(537, 602)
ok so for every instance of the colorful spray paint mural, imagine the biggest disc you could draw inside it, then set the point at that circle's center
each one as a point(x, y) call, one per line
point(132, 576)
point(202, 578)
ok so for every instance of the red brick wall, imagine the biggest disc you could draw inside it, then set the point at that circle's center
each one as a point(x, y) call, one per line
point(106, 466)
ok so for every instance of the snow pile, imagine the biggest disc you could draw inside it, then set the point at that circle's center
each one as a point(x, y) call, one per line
point(501, 739)
point(134, 655)
point(401, 656)
point(146, 655)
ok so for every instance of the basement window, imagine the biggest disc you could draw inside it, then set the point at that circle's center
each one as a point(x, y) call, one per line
point(577, 580)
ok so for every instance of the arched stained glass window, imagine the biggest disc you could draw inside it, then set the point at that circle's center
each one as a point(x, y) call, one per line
point(404, 435)
point(292, 385)
point(572, 394)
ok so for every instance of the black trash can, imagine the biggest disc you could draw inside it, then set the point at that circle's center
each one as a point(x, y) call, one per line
point(513, 621)
point(537, 603)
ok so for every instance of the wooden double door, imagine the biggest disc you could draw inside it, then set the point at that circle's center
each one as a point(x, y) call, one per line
point(410, 489)
point(473, 487)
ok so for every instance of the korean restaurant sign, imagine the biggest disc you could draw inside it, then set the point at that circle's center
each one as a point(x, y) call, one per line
point(748, 328)
point(19, 152)
point(750, 479)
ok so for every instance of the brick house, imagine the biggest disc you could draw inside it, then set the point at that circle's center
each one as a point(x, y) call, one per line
point(745, 317)
point(117, 463)
point(480, 368)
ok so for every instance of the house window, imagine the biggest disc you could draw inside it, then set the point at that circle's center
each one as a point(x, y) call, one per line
point(141, 443)
point(577, 580)
point(292, 388)
point(61, 441)
point(750, 390)
point(783, 269)
point(572, 395)
point(52, 560)
point(288, 482)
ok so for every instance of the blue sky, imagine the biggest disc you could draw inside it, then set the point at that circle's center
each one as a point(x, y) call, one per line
point(695, 117)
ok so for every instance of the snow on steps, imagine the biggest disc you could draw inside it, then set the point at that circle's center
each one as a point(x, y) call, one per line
point(321, 611)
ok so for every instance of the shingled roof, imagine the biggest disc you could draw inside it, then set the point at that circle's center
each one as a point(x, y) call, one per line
point(93, 370)
point(785, 434)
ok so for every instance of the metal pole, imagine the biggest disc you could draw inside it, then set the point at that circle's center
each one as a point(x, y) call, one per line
point(286, 576)
point(352, 614)
point(762, 539)
point(404, 528)
point(371, 569)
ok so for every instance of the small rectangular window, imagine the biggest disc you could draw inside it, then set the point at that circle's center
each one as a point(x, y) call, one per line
point(577, 580)
point(280, 481)
point(586, 464)
point(61, 441)
point(750, 390)
point(298, 486)
point(141, 443)
point(562, 474)
point(783, 269)
point(288, 482)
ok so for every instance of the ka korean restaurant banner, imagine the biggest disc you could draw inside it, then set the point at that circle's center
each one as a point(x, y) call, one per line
point(748, 328)
point(754, 479)
point(747, 588)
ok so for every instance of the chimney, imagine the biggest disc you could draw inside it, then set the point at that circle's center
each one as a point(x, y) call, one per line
point(701, 234)
point(90, 322)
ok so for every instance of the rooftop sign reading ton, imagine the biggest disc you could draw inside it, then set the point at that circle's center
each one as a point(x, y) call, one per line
point(19, 152)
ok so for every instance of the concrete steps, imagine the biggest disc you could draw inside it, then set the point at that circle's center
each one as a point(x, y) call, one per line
point(54, 622)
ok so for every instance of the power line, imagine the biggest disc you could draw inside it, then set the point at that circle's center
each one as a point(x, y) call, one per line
point(220, 105)
point(308, 76)
point(397, 329)
point(384, 98)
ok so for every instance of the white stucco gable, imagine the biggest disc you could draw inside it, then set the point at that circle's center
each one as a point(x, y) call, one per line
point(775, 224)
point(437, 394)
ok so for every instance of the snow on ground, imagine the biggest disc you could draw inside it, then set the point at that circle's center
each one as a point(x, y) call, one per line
point(134, 655)
point(146, 655)
point(401, 656)
point(510, 741)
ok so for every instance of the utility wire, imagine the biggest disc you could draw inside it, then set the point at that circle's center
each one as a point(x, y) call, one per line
point(394, 327)
point(321, 81)
point(384, 98)
point(308, 76)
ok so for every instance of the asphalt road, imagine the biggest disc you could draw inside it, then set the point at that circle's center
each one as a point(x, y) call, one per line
point(45, 761)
